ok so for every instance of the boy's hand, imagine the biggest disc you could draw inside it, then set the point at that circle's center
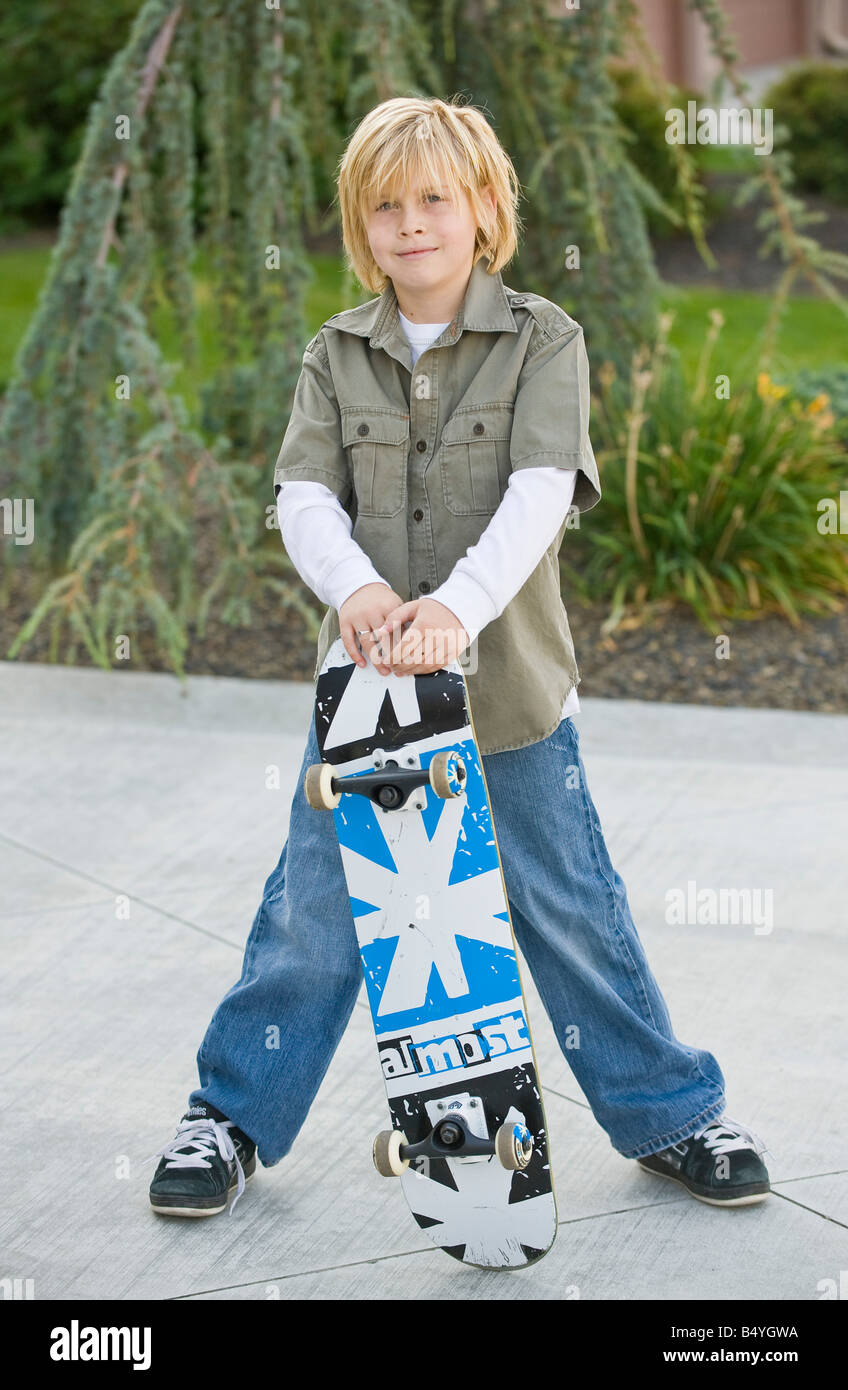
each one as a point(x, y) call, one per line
point(434, 637)
point(367, 609)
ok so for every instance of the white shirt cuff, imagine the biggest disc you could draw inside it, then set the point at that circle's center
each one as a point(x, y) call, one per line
point(349, 575)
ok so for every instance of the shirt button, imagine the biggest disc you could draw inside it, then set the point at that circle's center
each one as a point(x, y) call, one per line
point(418, 514)
point(421, 446)
point(479, 428)
point(519, 299)
point(362, 429)
point(424, 587)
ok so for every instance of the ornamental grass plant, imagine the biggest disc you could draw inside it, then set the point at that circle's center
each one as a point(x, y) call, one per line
point(721, 496)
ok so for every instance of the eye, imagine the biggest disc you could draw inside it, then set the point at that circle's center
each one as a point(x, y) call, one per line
point(388, 203)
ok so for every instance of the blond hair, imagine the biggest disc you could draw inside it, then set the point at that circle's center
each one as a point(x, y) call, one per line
point(410, 139)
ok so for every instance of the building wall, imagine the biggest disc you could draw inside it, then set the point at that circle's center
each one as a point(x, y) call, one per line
point(766, 32)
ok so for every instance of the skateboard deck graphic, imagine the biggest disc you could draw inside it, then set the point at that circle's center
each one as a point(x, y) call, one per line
point(432, 921)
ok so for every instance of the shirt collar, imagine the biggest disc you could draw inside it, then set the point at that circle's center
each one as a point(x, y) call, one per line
point(484, 309)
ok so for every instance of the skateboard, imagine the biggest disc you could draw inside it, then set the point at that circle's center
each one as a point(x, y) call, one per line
point(402, 774)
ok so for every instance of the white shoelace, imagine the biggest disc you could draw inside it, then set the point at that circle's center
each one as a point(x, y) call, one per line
point(202, 1137)
point(724, 1136)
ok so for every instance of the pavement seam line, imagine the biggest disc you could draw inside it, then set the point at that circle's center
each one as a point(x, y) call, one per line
point(812, 1210)
point(405, 1254)
point(109, 888)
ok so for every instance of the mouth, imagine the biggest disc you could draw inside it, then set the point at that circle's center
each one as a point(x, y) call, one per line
point(420, 251)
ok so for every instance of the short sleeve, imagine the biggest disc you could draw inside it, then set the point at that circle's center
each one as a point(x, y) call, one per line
point(550, 426)
point(312, 449)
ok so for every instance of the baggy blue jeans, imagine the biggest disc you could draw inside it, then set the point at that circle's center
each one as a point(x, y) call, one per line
point(273, 1035)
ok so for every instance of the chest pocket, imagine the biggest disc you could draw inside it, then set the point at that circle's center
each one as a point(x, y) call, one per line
point(474, 458)
point(377, 440)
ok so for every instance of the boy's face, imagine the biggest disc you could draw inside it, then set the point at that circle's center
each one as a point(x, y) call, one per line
point(422, 238)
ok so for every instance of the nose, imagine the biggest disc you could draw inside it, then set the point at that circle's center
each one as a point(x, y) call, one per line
point(412, 218)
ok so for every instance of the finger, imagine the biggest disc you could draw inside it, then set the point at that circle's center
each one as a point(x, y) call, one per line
point(348, 636)
point(377, 656)
point(411, 647)
point(397, 616)
point(375, 645)
point(405, 643)
point(397, 641)
point(394, 657)
point(432, 648)
point(374, 650)
point(443, 649)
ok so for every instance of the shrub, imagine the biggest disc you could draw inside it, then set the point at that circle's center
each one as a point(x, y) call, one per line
point(640, 114)
point(52, 59)
point(811, 100)
point(713, 502)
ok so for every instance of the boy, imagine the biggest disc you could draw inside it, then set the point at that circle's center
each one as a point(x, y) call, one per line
point(438, 438)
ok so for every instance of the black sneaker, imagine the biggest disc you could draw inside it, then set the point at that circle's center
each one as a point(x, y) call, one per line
point(201, 1165)
point(719, 1164)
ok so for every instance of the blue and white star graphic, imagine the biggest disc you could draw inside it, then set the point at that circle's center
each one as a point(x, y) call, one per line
point(410, 873)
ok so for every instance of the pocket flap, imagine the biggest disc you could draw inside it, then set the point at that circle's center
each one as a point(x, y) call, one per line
point(465, 426)
point(374, 425)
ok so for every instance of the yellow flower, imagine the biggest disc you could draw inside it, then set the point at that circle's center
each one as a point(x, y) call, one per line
point(818, 404)
point(767, 390)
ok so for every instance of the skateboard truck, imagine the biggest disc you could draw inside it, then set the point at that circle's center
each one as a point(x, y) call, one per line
point(390, 785)
point(460, 1132)
point(450, 1138)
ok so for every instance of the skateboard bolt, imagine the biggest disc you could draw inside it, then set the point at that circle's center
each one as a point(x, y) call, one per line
point(450, 1134)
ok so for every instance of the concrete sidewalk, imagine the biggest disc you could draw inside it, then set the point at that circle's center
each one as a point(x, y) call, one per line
point(122, 796)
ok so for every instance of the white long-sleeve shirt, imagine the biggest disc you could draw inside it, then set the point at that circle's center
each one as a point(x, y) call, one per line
point(316, 531)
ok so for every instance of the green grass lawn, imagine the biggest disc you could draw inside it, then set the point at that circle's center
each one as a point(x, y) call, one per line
point(21, 275)
point(810, 336)
point(811, 333)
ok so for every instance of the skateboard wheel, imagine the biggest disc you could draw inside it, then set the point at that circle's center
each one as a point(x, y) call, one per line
point(447, 774)
point(317, 784)
point(386, 1153)
point(513, 1146)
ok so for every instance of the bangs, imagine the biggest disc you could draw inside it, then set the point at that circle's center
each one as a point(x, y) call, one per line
point(416, 167)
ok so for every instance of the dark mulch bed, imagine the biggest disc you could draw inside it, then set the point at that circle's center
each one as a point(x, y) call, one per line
point(735, 240)
point(772, 664)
